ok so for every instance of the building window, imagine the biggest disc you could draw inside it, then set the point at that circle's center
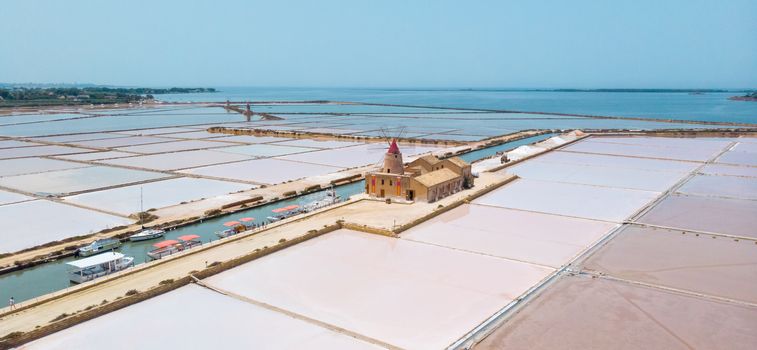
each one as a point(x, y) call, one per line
point(390, 182)
point(382, 181)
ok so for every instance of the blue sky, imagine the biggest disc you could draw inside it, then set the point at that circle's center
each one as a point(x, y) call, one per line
point(579, 43)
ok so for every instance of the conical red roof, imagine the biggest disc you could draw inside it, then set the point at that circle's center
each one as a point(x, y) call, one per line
point(393, 148)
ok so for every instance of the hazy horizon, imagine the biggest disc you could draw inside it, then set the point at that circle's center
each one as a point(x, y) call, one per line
point(390, 88)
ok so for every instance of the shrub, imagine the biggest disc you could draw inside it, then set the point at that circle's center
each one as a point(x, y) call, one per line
point(14, 335)
point(60, 317)
point(213, 212)
point(132, 292)
point(167, 281)
point(282, 240)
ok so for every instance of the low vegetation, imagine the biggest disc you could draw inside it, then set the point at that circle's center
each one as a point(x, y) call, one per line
point(21, 96)
point(144, 217)
point(13, 335)
point(212, 212)
point(60, 317)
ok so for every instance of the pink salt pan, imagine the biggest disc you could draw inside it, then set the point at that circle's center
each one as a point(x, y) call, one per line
point(717, 215)
point(586, 313)
point(721, 186)
point(513, 234)
point(412, 295)
point(721, 267)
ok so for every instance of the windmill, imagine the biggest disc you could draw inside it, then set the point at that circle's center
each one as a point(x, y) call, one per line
point(388, 135)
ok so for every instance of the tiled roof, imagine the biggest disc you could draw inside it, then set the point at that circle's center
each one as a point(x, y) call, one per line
point(437, 177)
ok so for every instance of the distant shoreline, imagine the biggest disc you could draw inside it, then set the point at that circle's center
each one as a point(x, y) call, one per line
point(71, 96)
point(752, 96)
point(691, 91)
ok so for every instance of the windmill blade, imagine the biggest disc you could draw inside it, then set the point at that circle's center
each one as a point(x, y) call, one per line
point(384, 134)
point(401, 132)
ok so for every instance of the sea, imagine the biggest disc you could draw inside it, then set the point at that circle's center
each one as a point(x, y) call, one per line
point(712, 106)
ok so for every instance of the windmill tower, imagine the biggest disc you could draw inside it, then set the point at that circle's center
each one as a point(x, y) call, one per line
point(393, 160)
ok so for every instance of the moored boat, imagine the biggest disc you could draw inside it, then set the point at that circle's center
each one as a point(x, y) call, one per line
point(164, 248)
point(98, 246)
point(173, 246)
point(234, 227)
point(146, 235)
point(331, 198)
point(96, 266)
point(284, 212)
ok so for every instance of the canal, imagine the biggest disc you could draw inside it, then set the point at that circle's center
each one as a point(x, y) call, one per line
point(490, 151)
point(49, 277)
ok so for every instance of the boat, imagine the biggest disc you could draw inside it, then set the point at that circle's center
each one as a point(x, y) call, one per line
point(234, 227)
point(331, 198)
point(96, 266)
point(98, 246)
point(164, 248)
point(284, 212)
point(146, 235)
point(247, 222)
point(173, 246)
point(190, 241)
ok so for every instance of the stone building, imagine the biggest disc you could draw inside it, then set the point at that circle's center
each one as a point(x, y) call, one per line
point(427, 178)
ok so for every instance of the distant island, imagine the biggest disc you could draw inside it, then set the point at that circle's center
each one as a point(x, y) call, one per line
point(64, 96)
point(750, 96)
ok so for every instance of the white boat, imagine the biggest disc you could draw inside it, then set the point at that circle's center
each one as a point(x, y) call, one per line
point(331, 198)
point(146, 235)
point(226, 233)
point(97, 266)
point(98, 246)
